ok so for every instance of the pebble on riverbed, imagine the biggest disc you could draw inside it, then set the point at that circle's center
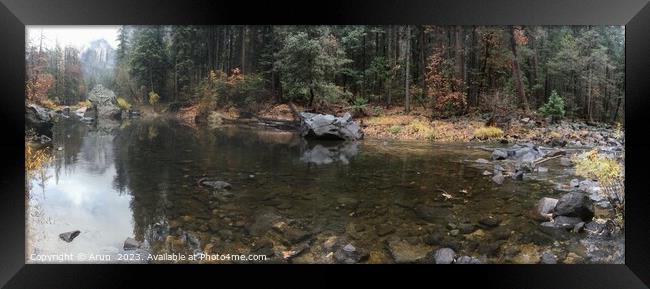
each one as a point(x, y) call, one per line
point(69, 236)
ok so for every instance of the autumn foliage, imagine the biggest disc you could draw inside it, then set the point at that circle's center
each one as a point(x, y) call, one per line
point(443, 89)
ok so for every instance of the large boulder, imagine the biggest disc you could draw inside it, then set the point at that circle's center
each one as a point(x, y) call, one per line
point(327, 126)
point(39, 119)
point(104, 104)
point(545, 208)
point(574, 204)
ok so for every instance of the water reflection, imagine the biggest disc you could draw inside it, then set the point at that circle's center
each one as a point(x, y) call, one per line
point(328, 152)
point(140, 179)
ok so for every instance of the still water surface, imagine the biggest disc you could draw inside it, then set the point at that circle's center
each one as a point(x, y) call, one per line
point(140, 179)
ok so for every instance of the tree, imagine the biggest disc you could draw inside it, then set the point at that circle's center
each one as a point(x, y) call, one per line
point(516, 72)
point(148, 61)
point(308, 62)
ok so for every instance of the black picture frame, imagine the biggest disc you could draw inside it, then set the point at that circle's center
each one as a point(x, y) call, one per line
point(15, 14)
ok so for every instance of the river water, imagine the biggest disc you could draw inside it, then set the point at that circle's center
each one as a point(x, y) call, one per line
point(392, 200)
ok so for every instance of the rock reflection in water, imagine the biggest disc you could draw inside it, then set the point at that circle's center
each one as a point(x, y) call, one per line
point(329, 152)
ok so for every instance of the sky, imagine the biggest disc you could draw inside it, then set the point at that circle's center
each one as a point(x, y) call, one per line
point(77, 36)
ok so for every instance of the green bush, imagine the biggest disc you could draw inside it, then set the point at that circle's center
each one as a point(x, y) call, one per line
point(554, 107)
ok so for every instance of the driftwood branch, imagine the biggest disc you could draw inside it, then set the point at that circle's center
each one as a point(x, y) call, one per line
point(550, 156)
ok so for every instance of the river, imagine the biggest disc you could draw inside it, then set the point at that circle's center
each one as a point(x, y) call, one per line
point(394, 201)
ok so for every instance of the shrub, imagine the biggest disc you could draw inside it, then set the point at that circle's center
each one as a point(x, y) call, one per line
point(123, 103)
point(488, 132)
point(443, 87)
point(395, 129)
point(597, 166)
point(153, 97)
point(554, 107)
point(420, 129)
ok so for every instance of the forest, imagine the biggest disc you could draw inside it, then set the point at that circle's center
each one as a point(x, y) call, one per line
point(328, 144)
point(445, 71)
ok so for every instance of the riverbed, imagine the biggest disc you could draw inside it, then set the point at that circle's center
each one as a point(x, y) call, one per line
point(290, 200)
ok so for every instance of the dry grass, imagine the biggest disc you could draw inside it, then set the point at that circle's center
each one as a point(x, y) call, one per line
point(488, 132)
point(123, 103)
point(414, 127)
point(36, 159)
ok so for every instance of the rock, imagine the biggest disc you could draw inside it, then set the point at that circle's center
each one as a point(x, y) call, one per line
point(467, 260)
point(218, 185)
point(603, 210)
point(527, 161)
point(131, 244)
point(528, 255)
point(487, 173)
point(39, 119)
point(104, 104)
point(542, 169)
point(574, 204)
point(578, 227)
point(555, 142)
point(499, 154)
point(545, 208)
point(466, 228)
point(574, 183)
point(403, 252)
point(600, 228)
point(69, 236)
point(427, 213)
point(349, 254)
point(444, 256)
point(454, 232)
point(548, 258)
point(490, 221)
point(498, 178)
point(433, 239)
point(326, 126)
point(518, 175)
point(384, 229)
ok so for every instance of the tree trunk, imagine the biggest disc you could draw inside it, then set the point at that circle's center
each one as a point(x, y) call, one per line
point(390, 58)
point(516, 72)
point(407, 52)
point(243, 48)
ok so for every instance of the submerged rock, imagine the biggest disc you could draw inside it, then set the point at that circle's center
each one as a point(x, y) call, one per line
point(498, 178)
point(403, 252)
point(444, 256)
point(349, 254)
point(326, 126)
point(490, 221)
point(218, 185)
point(69, 236)
point(548, 258)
